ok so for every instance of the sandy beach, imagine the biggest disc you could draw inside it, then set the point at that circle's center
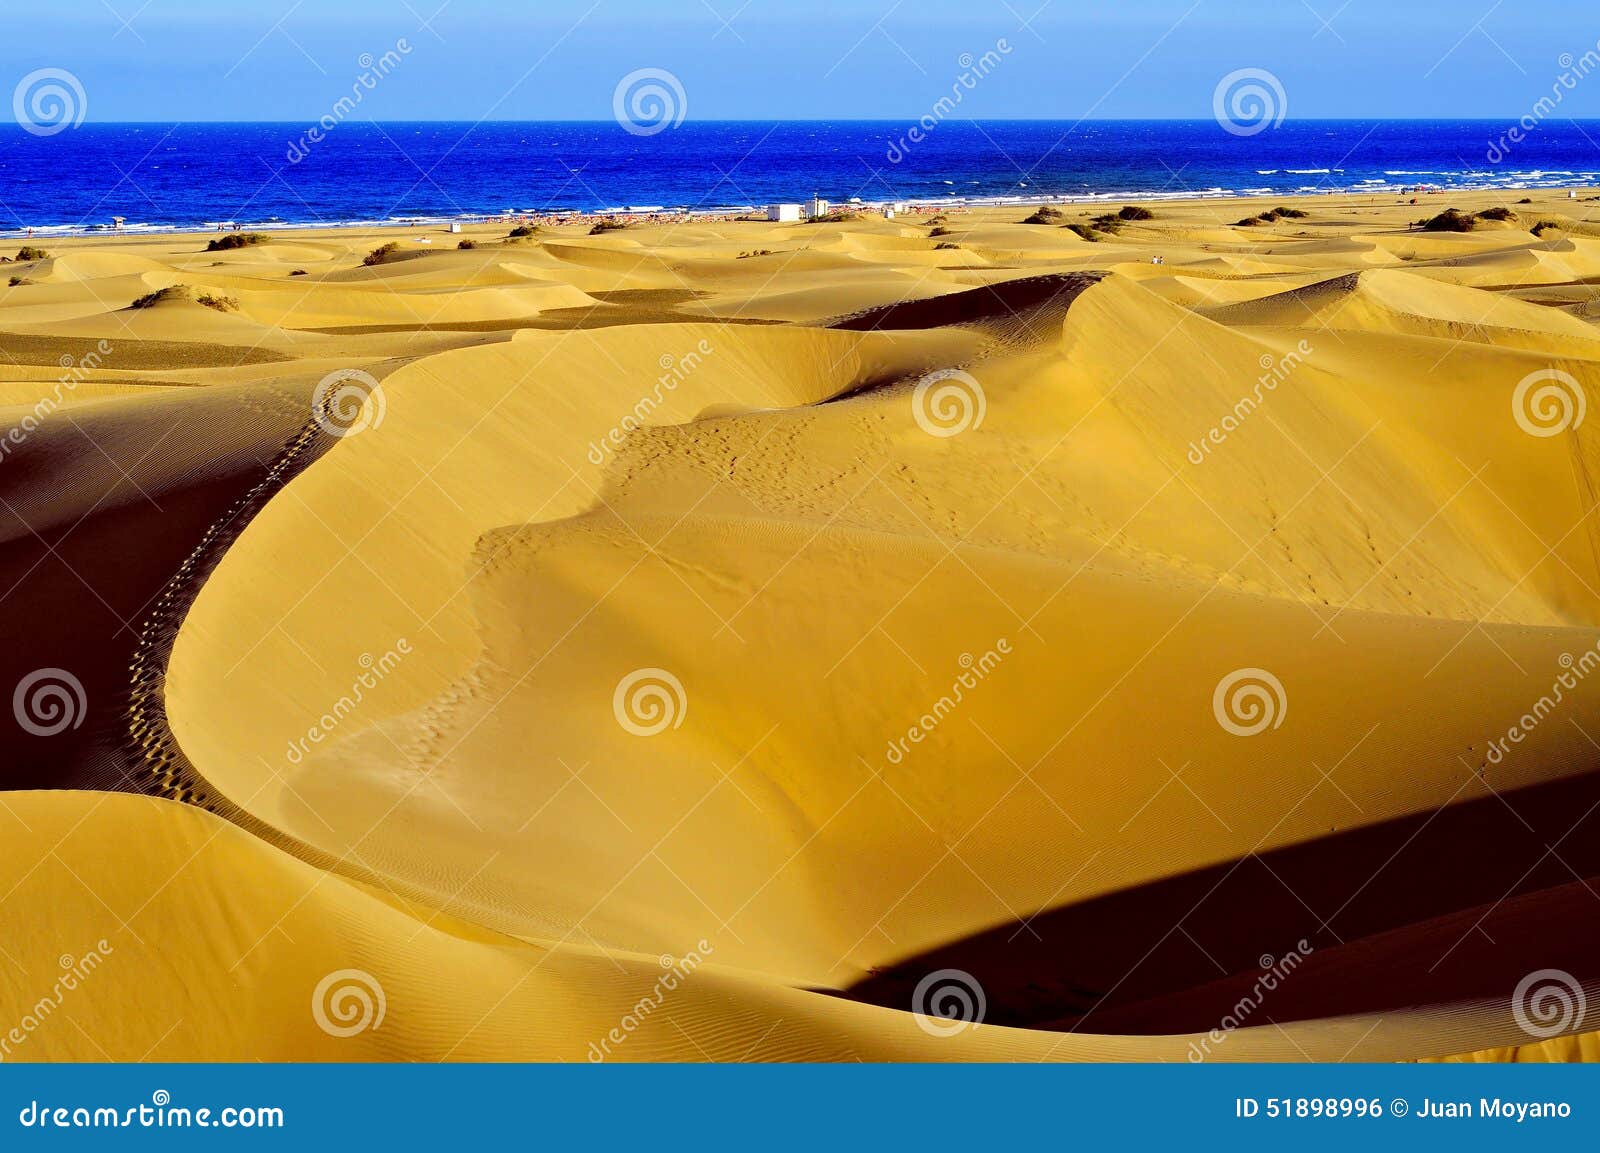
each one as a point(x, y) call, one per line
point(939, 638)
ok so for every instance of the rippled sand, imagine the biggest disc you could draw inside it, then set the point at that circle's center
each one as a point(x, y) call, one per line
point(741, 641)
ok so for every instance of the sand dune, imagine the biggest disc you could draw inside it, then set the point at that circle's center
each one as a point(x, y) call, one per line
point(817, 617)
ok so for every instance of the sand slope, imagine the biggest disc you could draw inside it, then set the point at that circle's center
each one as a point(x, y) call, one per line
point(658, 610)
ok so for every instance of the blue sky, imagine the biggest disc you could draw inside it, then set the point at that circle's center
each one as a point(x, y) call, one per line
point(554, 59)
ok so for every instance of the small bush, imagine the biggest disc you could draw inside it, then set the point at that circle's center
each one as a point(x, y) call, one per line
point(236, 240)
point(1526, 200)
point(1545, 226)
point(756, 252)
point(381, 254)
point(298, 272)
point(605, 226)
point(521, 231)
point(1109, 222)
point(837, 216)
point(1252, 222)
point(28, 253)
point(941, 230)
point(467, 245)
point(162, 296)
point(944, 244)
point(1498, 213)
point(1085, 232)
point(1045, 215)
point(19, 281)
point(220, 303)
point(1136, 212)
point(1450, 220)
point(1290, 213)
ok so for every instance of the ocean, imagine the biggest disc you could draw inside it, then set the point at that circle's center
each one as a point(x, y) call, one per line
point(158, 176)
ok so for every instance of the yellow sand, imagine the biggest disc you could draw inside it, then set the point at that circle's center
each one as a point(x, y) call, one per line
point(645, 453)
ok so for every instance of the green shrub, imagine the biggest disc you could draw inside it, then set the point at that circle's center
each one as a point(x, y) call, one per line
point(298, 272)
point(605, 226)
point(28, 253)
point(1526, 200)
point(941, 230)
point(523, 230)
point(1136, 212)
point(1252, 222)
point(162, 296)
point(19, 281)
point(1450, 220)
point(944, 244)
point(1045, 215)
point(237, 240)
point(756, 252)
point(467, 245)
point(1290, 213)
point(1545, 226)
point(220, 303)
point(1084, 231)
point(381, 254)
point(1498, 213)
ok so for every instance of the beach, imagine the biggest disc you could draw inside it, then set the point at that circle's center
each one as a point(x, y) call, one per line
point(1158, 631)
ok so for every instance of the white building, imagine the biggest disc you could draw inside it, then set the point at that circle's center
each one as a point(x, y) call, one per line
point(816, 207)
point(783, 212)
